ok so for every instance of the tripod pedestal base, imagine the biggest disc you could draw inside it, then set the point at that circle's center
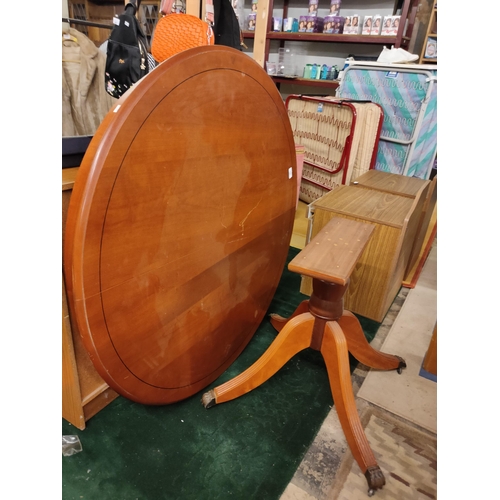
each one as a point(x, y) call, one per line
point(321, 323)
point(339, 337)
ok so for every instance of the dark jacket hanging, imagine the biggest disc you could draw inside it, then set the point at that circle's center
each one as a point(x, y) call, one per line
point(226, 27)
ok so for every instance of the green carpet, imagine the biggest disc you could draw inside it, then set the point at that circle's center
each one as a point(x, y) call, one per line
point(248, 448)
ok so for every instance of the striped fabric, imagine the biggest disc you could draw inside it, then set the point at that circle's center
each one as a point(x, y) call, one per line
point(408, 141)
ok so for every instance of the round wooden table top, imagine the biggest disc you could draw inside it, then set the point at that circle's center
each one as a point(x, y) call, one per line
point(179, 224)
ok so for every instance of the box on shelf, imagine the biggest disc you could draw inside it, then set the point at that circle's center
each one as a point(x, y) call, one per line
point(338, 26)
point(271, 68)
point(395, 25)
point(313, 8)
point(288, 23)
point(335, 7)
point(355, 24)
point(352, 25)
point(251, 22)
point(328, 24)
point(314, 24)
point(333, 24)
point(387, 25)
point(376, 25)
point(367, 25)
point(302, 24)
point(277, 23)
point(431, 48)
point(347, 25)
point(254, 5)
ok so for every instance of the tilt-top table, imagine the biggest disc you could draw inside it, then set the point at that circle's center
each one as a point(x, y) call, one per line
point(179, 224)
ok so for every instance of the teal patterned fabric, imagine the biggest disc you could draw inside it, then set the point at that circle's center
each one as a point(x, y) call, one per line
point(408, 98)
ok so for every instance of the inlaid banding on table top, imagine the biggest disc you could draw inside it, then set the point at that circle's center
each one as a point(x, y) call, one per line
point(333, 253)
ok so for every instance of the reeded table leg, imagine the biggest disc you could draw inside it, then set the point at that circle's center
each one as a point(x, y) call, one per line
point(279, 322)
point(359, 347)
point(293, 338)
point(335, 354)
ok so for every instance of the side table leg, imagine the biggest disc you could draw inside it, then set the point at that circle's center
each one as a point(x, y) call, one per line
point(359, 347)
point(335, 354)
point(293, 338)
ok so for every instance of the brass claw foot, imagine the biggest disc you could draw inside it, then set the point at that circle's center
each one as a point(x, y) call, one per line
point(375, 478)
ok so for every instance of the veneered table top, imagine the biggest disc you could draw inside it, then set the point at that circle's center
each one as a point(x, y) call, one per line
point(180, 222)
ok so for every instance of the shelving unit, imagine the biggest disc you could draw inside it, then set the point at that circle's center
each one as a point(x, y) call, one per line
point(430, 34)
point(263, 36)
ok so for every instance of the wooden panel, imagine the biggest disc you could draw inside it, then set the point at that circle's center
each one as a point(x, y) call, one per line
point(84, 392)
point(334, 252)
point(406, 243)
point(412, 188)
point(427, 211)
point(72, 408)
point(430, 360)
point(390, 183)
point(261, 28)
point(377, 206)
point(193, 8)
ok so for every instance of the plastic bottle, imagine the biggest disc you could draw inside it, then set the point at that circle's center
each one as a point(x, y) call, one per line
point(71, 445)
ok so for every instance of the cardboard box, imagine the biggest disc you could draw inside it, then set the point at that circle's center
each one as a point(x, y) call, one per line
point(313, 8)
point(335, 8)
point(386, 25)
point(338, 26)
point(367, 25)
point(356, 24)
point(347, 25)
point(376, 25)
point(431, 48)
point(395, 25)
point(328, 24)
point(302, 24)
point(251, 22)
point(314, 24)
point(288, 23)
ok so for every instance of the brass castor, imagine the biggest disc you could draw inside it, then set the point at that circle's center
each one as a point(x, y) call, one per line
point(402, 364)
point(208, 399)
point(375, 479)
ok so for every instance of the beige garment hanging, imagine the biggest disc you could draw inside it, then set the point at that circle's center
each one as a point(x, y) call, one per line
point(85, 101)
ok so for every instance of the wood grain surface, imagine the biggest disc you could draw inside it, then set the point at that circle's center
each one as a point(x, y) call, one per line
point(180, 222)
point(333, 253)
point(379, 272)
